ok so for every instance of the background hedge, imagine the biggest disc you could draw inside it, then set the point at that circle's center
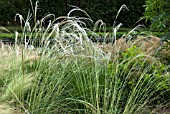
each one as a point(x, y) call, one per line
point(97, 9)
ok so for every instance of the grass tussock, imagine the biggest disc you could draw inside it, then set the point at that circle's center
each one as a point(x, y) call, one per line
point(67, 73)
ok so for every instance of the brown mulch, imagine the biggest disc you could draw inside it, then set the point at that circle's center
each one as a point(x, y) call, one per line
point(5, 109)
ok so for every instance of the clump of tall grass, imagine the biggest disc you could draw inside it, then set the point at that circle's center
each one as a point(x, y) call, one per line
point(71, 74)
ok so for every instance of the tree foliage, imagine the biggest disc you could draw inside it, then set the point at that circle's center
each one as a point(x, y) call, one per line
point(158, 12)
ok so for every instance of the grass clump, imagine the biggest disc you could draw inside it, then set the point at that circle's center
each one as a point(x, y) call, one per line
point(68, 73)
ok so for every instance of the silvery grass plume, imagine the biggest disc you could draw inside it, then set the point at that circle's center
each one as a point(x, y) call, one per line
point(63, 35)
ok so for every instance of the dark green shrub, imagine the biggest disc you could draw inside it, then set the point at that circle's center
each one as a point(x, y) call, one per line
point(158, 12)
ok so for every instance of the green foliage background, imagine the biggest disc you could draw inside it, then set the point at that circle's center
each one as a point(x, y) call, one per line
point(97, 9)
point(158, 12)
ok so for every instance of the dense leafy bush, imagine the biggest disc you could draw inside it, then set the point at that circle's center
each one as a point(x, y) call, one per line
point(158, 12)
point(134, 66)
